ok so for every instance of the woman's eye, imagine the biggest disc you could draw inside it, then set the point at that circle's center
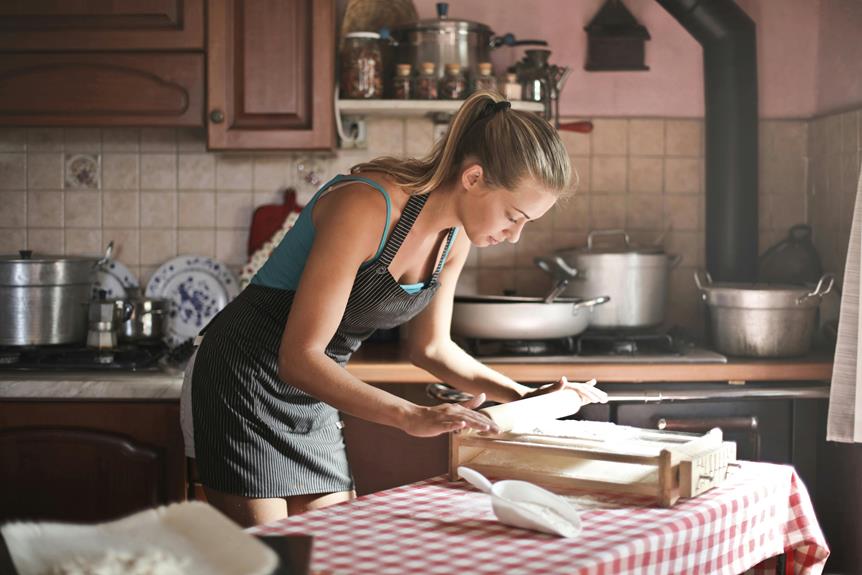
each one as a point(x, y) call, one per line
point(513, 220)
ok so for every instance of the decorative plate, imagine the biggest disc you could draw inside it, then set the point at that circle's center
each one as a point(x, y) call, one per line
point(115, 279)
point(198, 288)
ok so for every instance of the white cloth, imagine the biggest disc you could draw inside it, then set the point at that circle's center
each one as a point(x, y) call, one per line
point(845, 396)
point(186, 421)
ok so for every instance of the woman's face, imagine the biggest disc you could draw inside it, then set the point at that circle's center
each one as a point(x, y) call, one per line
point(494, 215)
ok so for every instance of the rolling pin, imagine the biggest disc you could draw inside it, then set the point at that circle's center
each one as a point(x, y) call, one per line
point(536, 409)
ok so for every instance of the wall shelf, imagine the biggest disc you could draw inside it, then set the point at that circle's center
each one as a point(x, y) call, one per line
point(416, 107)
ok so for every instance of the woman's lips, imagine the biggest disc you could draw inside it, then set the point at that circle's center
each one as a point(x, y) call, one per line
point(493, 241)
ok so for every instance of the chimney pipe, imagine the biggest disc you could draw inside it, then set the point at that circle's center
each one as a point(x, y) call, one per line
point(728, 38)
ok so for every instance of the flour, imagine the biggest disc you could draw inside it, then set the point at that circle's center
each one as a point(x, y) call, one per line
point(552, 518)
point(149, 562)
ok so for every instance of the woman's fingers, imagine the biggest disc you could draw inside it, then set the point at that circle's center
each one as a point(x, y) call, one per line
point(475, 402)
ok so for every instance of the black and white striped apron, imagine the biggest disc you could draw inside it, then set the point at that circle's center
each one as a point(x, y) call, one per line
point(258, 436)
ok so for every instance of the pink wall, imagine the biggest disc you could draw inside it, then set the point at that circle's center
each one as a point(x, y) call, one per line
point(839, 58)
point(673, 87)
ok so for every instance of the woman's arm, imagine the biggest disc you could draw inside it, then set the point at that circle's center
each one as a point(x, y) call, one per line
point(349, 222)
point(431, 346)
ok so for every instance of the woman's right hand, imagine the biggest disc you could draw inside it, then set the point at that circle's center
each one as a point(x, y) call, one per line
point(447, 417)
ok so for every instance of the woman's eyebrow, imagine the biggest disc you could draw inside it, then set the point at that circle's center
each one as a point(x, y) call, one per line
point(523, 213)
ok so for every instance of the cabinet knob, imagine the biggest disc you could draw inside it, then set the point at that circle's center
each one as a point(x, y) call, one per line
point(217, 116)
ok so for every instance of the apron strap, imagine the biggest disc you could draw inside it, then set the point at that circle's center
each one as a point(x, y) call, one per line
point(405, 222)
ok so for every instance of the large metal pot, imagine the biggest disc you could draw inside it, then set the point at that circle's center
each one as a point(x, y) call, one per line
point(445, 41)
point(762, 320)
point(635, 278)
point(42, 298)
point(143, 319)
point(501, 317)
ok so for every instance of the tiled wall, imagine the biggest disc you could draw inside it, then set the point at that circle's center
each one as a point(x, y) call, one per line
point(158, 193)
point(835, 152)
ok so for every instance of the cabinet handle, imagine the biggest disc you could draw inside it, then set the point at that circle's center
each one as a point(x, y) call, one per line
point(217, 116)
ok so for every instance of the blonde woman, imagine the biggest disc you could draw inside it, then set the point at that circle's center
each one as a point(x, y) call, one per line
point(374, 249)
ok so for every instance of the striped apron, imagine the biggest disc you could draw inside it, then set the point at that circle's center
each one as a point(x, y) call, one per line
point(258, 436)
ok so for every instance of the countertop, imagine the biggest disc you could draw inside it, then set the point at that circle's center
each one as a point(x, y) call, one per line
point(387, 364)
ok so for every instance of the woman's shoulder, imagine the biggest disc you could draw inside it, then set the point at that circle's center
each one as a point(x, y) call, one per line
point(360, 198)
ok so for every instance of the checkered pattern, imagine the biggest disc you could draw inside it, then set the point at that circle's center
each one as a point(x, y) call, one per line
point(436, 527)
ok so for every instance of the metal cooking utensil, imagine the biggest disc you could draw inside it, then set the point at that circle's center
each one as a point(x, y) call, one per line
point(560, 271)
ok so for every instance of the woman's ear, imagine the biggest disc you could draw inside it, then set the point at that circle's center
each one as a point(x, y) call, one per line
point(472, 176)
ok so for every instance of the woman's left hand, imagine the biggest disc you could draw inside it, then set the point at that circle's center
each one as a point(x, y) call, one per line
point(588, 392)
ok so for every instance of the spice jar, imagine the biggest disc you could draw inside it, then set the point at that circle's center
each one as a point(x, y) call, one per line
point(402, 84)
point(486, 80)
point(512, 88)
point(426, 83)
point(362, 66)
point(453, 86)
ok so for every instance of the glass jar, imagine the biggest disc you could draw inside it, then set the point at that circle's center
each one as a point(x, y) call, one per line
point(486, 79)
point(453, 86)
point(512, 88)
point(426, 83)
point(362, 66)
point(402, 84)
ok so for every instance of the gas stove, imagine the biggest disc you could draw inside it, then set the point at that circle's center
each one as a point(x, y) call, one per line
point(595, 347)
point(127, 357)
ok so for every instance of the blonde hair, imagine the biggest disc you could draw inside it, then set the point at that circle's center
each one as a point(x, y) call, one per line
point(508, 144)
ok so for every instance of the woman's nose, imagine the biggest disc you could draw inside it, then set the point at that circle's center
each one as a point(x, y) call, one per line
point(513, 234)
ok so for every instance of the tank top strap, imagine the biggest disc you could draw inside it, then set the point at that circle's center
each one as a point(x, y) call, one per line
point(411, 211)
point(450, 239)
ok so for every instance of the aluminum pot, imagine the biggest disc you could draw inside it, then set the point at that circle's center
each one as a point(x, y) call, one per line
point(443, 40)
point(635, 278)
point(762, 320)
point(143, 319)
point(42, 298)
point(501, 317)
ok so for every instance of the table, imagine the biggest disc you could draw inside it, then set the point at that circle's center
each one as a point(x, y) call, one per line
point(437, 527)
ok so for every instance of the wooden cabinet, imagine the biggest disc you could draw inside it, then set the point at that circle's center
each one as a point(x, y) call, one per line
point(101, 89)
point(87, 460)
point(57, 25)
point(270, 74)
point(98, 63)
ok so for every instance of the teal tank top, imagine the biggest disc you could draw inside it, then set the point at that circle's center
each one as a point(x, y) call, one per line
point(284, 267)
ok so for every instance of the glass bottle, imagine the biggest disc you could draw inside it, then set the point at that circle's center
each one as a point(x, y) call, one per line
point(362, 66)
point(453, 86)
point(512, 88)
point(426, 83)
point(402, 84)
point(486, 79)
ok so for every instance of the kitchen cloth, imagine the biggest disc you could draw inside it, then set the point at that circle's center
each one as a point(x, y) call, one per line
point(845, 395)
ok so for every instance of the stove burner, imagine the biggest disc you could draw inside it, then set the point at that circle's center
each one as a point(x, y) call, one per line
point(66, 357)
point(519, 347)
point(599, 343)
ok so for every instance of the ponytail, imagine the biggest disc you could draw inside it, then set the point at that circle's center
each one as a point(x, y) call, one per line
point(508, 144)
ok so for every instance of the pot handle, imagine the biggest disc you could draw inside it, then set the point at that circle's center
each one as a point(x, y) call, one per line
point(819, 291)
point(590, 303)
point(597, 233)
point(104, 259)
point(702, 279)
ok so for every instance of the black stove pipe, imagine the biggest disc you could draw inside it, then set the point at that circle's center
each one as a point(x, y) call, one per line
point(728, 38)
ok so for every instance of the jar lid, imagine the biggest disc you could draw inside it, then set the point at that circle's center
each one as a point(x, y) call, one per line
point(403, 69)
point(428, 67)
point(453, 68)
point(368, 35)
point(485, 67)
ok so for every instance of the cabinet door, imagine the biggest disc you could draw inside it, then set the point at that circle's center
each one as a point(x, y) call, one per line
point(88, 461)
point(102, 89)
point(270, 80)
point(53, 25)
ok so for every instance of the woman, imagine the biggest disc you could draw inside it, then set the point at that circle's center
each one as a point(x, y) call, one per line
point(371, 250)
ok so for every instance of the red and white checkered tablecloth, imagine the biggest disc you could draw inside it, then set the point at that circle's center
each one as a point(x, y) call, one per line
point(436, 527)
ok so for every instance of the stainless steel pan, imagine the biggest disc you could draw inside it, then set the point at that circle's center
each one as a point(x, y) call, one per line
point(510, 317)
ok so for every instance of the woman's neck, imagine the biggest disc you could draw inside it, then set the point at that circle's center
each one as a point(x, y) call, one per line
point(440, 211)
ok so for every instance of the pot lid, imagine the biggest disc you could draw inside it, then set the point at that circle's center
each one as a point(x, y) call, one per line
point(27, 269)
point(442, 23)
point(28, 257)
point(614, 242)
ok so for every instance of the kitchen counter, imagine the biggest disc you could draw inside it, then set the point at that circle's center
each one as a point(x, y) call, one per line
point(387, 363)
point(107, 385)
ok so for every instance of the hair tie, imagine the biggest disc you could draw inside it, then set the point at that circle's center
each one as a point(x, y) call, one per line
point(502, 105)
point(492, 108)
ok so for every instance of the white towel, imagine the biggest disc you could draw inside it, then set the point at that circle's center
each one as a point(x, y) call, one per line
point(845, 396)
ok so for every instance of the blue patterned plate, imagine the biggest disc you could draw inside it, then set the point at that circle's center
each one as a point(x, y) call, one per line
point(115, 279)
point(197, 287)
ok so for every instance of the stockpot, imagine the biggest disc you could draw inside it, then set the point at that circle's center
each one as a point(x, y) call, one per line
point(510, 317)
point(42, 298)
point(762, 320)
point(635, 278)
point(446, 41)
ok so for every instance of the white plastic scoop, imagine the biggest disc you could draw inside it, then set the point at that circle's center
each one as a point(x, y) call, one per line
point(528, 506)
